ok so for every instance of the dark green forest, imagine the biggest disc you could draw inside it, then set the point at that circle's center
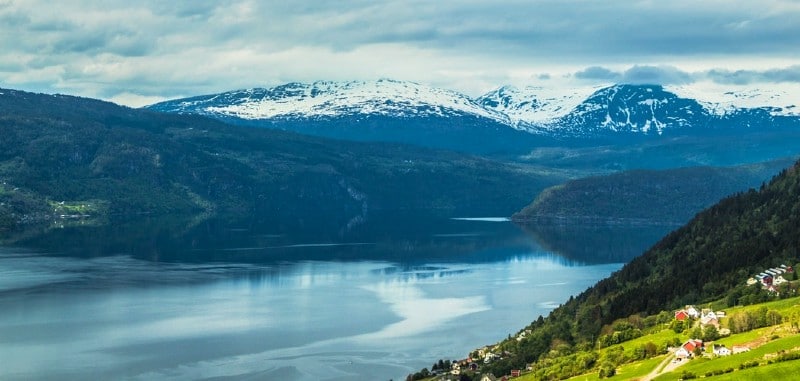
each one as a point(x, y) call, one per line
point(665, 197)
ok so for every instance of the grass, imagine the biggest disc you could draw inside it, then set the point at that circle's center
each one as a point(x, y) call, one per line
point(702, 366)
point(783, 306)
point(638, 369)
point(786, 370)
point(787, 341)
point(584, 377)
point(630, 371)
point(747, 337)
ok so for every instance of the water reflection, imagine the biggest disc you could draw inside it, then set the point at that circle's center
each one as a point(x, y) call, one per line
point(241, 299)
point(596, 243)
point(400, 239)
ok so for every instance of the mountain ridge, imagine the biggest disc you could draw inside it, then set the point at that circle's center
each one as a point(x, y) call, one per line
point(621, 108)
point(326, 99)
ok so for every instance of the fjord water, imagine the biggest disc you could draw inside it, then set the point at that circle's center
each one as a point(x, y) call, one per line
point(227, 299)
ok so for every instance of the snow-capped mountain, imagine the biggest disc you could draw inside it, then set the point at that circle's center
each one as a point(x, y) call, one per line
point(779, 100)
point(637, 109)
point(533, 105)
point(383, 110)
point(324, 99)
point(505, 119)
point(647, 109)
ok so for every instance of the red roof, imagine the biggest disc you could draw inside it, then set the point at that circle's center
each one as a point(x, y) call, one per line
point(692, 344)
point(681, 315)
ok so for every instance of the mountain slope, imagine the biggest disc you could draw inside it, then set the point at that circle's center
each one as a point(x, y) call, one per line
point(384, 110)
point(325, 99)
point(668, 197)
point(726, 243)
point(636, 109)
point(709, 258)
point(533, 106)
point(59, 148)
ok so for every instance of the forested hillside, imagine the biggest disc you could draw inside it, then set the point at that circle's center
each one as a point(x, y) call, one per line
point(63, 155)
point(708, 259)
point(671, 196)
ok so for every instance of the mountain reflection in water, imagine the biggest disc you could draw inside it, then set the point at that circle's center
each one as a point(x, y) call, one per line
point(225, 298)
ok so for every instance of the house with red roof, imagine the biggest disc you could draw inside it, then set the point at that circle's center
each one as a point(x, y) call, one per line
point(687, 349)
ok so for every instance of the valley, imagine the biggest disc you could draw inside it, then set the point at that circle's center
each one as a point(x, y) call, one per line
point(179, 186)
point(396, 190)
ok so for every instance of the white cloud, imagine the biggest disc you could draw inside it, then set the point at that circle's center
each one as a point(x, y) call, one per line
point(155, 50)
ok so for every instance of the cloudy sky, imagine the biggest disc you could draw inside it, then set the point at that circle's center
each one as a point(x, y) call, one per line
point(139, 52)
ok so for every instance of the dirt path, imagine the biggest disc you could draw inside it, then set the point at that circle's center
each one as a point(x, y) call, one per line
point(664, 368)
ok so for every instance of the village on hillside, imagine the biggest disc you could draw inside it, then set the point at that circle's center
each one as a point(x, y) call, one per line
point(768, 279)
point(703, 325)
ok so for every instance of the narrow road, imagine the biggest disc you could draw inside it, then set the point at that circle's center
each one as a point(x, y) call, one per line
point(664, 368)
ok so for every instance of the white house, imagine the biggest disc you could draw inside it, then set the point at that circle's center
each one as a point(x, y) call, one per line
point(721, 350)
point(693, 312)
point(709, 319)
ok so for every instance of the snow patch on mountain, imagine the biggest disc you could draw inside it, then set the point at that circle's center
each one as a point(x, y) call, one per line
point(331, 99)
point(560, 112)
point(534, 105)
point(779, 99)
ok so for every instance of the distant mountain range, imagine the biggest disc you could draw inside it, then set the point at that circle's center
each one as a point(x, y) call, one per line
point(84, 156)
point(515, 123)
point(641, 109)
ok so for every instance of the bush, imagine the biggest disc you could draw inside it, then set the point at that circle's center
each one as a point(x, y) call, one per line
point(746, 365)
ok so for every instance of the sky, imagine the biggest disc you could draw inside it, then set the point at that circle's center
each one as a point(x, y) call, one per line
point(140, 52)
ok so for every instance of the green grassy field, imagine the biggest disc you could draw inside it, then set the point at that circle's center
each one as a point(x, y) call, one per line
point(702, 366)
point(767, 343)
point(787, 370)
point(784, 306)
point(787, 340)
point(638, 369)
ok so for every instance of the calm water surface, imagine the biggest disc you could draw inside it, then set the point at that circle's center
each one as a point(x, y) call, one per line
point(222, 300)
